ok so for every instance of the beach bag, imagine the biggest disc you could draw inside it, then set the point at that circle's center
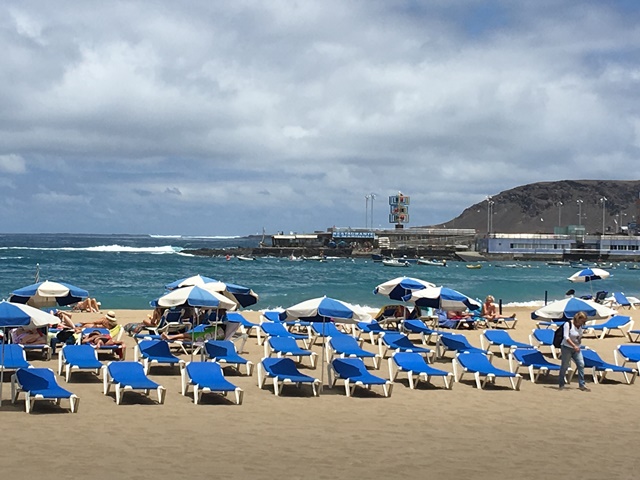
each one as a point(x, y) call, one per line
point(558, 335)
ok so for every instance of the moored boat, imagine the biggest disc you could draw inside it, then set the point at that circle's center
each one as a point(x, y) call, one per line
point(245, 258)
point(474, 266)
point(433, 263)
point(395, 263)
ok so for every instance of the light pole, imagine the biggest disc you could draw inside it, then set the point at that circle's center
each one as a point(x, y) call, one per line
point(490, 203)
point(366, 210)
point(373, 197)
point(560, 214)
point(603, 200)
point(579, 202)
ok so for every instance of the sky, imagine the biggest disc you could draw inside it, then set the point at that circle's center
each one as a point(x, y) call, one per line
point(223, 118)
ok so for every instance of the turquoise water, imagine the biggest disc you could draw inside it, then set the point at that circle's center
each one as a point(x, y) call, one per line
point(128, 271)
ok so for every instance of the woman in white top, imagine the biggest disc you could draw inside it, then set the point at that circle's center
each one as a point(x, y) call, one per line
point(570, 349)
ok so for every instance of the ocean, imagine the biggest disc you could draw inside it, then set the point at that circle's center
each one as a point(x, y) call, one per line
point(128, 271)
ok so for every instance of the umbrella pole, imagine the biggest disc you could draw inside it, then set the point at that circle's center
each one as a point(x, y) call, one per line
point(324, 346)
point(4, 339)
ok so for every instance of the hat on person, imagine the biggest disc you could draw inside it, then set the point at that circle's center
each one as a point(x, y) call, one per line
point(111, 315)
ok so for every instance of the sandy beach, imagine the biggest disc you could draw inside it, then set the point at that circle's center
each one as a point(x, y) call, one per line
point(427, 432)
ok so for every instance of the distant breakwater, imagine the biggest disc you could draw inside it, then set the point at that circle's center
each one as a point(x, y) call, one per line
point(276, 252)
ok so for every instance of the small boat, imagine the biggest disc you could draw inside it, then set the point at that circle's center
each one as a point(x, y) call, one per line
point(433, 263)
point(559, 263)
point(316, 258)
point(395, 263)
point(474, 266)
point(635, 266)
point(245, 259)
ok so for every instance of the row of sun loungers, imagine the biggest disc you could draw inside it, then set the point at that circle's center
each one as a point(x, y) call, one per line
point(345, 359)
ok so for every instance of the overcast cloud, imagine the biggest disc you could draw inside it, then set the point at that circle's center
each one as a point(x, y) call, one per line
point(221, 118)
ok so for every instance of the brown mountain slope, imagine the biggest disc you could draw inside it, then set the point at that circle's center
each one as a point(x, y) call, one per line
point(535, 208)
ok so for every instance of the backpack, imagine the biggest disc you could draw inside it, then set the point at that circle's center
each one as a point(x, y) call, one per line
point(558, 335)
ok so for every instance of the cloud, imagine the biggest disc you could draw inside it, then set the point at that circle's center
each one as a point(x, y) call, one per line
point(288, 113)
point(12, 163)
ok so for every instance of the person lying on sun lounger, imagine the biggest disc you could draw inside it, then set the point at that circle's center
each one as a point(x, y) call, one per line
point(108, 321)
point(152, 320)
point(89, 304)
point(99, 339)
point(25, 336)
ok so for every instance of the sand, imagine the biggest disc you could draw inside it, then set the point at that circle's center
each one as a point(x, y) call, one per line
point(430, 432)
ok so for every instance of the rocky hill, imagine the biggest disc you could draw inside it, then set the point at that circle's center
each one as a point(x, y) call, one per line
point(539, 207)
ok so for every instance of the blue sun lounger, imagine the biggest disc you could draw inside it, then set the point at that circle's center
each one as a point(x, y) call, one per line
point(323, 330)
point(627, 354)
point(346, 346)
point(418, 326)
point(399, 342)
point(78, 357)
point(502, 340)
point(277, 329)
point(207, 377)
point(415, 365)
point(156, 352)
point(544, 337)
point(600, 368)
point(14, 357)
point(129, 376)
point(40, 384)
point(224, 352)
point(283, 371)
point(354, 373)
point(458, 343)
point(479, 365)
point(288, 347)
point(245, 325)
point(533, 360)
point(617, 322)
point(373, 329)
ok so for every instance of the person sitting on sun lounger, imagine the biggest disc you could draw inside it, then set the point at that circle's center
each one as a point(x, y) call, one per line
point(489, 310)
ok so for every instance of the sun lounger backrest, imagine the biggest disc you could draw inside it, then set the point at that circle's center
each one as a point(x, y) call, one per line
point(344, 342)
point(499, 337)
point(155, 348)
point(529, 356)
point(198, 370)
point(36, 378)
point(280, 366)
point(409, 360)
point(14, 356)
point(283, 344)
point(455, 341)
point(544, 335)
point(475, 361)
point(349, 367)
point(219, 348)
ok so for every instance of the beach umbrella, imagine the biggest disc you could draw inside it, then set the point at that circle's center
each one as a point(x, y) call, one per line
point(196, 297)
point(442, 298)
point(400, 287)
point(243, 296)
point(566, 308)
point(48, 294)
point(324, 309)
point(589, 275)
point(13, 315)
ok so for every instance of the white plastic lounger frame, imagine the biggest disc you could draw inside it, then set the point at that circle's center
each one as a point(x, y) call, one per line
point(197, 391)
point(414, 378)
point(30, 400)
point(459, 371)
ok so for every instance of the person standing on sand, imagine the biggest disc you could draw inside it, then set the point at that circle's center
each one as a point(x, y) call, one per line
point(570, 349)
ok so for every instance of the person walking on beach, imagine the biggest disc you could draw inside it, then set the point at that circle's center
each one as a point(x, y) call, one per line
point(570, 349)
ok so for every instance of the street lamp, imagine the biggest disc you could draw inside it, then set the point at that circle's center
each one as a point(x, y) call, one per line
point(490, 203)
point(373, 197)
point(603, 200)
point(560, 214)
point(366, 210)
point(579, 202)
